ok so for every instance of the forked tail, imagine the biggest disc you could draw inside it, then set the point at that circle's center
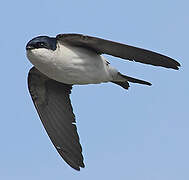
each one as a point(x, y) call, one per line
point(122, 80)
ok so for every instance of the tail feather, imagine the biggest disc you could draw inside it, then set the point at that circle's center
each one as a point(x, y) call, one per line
point(123, 81)
point(133, 80)
point(124, 84)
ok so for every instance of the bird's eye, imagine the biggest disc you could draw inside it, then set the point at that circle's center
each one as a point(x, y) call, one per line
point(41, 44)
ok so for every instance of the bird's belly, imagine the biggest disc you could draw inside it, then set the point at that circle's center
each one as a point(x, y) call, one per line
point(79, 71)
point(73, 66)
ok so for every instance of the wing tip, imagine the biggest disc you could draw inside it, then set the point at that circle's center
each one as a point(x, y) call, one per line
point(78, 167)
point(174, 64)
point(177, 67)
point(148, 83)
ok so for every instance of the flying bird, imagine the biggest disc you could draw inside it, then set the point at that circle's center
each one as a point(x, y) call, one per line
point(75, 59)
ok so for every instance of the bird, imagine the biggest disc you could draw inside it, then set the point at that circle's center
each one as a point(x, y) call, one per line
point(76, 59)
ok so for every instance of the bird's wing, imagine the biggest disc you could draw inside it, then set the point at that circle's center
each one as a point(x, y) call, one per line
point(53, 105)
point(102, 46)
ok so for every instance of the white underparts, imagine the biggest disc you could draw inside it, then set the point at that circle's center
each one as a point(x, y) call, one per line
point(72, 65)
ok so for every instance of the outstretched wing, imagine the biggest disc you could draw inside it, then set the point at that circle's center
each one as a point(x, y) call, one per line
point(53, 105)
point(102, 46)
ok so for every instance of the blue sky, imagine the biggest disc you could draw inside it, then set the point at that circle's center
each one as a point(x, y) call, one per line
point(137, 134)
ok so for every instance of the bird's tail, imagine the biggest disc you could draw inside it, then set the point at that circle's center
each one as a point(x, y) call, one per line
point(122, 80)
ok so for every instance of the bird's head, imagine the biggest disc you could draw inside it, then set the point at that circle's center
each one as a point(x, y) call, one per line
point(42, 42)
point(41, 48)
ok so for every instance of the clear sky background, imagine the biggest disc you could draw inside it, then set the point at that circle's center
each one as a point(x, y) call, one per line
point(141, 134)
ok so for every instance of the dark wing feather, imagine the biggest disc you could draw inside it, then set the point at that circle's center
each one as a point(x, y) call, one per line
point(53, 105)
point(102, 46)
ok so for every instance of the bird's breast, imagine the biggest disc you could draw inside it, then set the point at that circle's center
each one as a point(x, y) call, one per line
point(71, 65)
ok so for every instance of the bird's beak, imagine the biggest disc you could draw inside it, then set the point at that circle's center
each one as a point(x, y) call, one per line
point(29, 47)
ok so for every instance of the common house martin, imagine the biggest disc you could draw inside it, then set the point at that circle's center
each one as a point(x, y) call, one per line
point(70, 59)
